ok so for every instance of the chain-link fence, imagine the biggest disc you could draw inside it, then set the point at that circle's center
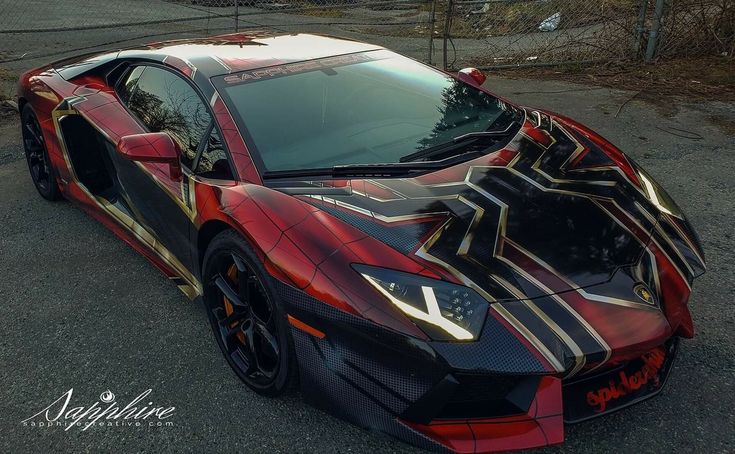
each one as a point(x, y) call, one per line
point(447, 33)
point(697, 27)
point(500, 33)
point(33, 32)
point(532, 32)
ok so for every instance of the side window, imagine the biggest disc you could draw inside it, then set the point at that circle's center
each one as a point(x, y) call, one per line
point(164, 102)
point(126, 87)
point(213, 160)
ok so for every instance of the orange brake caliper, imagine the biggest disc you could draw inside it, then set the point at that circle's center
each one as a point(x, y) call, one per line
point(229, 309)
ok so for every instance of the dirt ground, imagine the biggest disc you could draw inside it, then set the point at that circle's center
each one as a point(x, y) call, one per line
point(666, 84)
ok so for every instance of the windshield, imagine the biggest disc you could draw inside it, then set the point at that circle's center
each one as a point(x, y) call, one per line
point(368, 108)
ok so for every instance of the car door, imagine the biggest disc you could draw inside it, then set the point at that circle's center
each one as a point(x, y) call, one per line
point(163, 101)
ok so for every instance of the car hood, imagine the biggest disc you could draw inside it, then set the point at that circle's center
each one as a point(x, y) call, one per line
point(549, 212)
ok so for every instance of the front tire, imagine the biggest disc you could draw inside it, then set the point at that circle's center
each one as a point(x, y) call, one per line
point(247, 318)
point(39, 165)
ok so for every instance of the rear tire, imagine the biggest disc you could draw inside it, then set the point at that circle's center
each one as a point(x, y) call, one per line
point(39, 165)
point(247, 317)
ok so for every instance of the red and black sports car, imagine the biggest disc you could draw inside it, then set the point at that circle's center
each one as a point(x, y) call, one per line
point(418, 255)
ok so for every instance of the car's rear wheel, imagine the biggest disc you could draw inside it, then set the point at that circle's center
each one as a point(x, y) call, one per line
point(39, 165)
point(246, 316)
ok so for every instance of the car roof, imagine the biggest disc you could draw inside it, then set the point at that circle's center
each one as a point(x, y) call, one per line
point(235, 52)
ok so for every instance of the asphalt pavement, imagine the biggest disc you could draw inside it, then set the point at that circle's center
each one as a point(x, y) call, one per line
point(81, 310)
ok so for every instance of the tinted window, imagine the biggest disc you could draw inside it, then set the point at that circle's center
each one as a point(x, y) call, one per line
point(213, 161)
point(164, 102)
point(126, 88)
point(368, 108)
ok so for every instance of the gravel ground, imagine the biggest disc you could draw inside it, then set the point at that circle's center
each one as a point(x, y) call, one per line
point(83, 311)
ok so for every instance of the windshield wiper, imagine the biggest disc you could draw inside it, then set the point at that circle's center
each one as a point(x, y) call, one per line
point(457, 142)
point(392, 169)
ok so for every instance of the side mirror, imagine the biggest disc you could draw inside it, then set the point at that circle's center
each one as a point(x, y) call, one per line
point(152, 147)
point(472, 76)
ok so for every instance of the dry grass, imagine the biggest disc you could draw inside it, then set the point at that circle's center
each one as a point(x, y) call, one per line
point(8, 80)
point(666, 84)
point(6, 74)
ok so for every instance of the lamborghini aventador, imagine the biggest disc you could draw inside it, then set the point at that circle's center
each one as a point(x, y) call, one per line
point(420, 256)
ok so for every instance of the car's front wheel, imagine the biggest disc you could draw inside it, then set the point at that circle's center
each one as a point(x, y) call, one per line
point(247, 318)
point(39, 165)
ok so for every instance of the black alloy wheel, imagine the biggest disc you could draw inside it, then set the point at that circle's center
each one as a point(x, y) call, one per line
point(246, 317)
point(42, 172)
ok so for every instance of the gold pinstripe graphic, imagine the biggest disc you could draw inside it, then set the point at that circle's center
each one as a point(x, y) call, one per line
point(685, 237)
point(500, 238)
point(192, 287)
point(530, 337)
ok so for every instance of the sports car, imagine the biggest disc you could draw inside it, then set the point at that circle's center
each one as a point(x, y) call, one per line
point(417, 255)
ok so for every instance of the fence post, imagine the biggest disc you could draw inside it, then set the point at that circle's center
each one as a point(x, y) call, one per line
point(447, 24)
point(640, 27)
point(237, 16)
point(432, 25)
point(658, 13)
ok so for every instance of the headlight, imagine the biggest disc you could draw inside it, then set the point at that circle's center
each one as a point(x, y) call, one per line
point(443, 310)
point(657, 195)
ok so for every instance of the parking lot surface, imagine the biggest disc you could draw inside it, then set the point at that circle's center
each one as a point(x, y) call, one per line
point(81, 310)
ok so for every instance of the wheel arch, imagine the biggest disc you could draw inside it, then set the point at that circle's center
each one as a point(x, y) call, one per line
point(206, 234)
point(221, 221)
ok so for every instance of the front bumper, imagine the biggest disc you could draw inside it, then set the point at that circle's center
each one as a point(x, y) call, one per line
point(552, 402)
point(625, 384)
point(483, 396)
